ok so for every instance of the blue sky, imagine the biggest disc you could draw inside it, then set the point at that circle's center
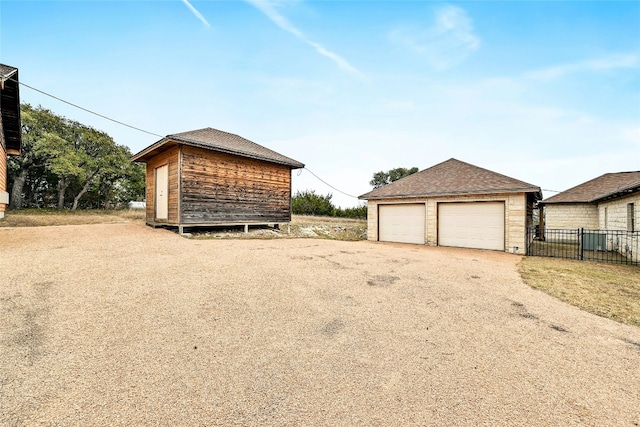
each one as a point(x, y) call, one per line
point(545, 92)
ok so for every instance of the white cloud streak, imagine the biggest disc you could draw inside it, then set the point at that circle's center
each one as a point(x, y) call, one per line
point(611, 62)
point(446, 43)
point(269, 9)
point(196, 13)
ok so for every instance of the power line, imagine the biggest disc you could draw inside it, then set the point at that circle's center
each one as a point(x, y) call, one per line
point(326, 183)
point(87, 110)
point(147, 132)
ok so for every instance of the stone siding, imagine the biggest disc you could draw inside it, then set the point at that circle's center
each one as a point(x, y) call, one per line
point(570, 216)
point(616, 213)
point(610, 215)
point(627, 244)
point(515, 220)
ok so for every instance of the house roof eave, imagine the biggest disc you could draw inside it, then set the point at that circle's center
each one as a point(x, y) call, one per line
point(10, 106)
point(144, 155)
point(623, 192)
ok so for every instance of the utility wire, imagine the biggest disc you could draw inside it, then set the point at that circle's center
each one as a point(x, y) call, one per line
point(147, 132)
point(88, 111)
point(326, 183)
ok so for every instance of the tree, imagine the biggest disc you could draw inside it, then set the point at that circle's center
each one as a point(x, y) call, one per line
point(119, 189)
point(64, 161)
point(82, 157)
point(309, 203)
point(358, 212)
point(380, 179)
point(40, 128)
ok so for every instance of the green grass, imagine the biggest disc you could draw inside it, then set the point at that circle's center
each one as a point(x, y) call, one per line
point(608, 290)
point(45, 217)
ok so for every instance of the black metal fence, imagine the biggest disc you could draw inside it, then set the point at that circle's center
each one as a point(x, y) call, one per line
point(616, 246)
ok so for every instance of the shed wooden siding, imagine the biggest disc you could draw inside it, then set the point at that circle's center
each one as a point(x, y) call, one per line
point(223, 188)
point(170, 157)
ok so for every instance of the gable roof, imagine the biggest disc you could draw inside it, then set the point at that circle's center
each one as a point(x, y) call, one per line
point(217, 140)
point(604, 187)
point(10, 109)
point(452, 177)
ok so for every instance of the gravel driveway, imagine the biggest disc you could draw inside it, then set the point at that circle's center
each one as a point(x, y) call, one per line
point(123, 325)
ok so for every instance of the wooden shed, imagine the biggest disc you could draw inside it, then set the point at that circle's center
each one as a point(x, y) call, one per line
point(208, 177)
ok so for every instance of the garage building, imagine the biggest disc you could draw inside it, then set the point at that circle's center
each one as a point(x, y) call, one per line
point(453, 204)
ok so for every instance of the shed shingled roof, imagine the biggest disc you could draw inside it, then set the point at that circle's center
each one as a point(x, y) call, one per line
point(607, 186)
point(217, 140)
point(452, 177)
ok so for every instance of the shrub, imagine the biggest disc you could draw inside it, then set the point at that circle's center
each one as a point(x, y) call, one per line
point(309, 203)
point(359, 212)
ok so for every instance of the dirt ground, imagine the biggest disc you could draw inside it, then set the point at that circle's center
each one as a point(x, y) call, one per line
point(122, 325)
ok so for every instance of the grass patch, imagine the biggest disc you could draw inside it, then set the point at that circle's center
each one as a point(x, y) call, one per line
point(47, 217)
point(608, 290)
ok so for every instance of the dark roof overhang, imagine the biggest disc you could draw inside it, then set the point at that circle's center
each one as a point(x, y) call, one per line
point(10, 109)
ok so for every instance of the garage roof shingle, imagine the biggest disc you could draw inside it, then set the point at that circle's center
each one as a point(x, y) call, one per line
point(452, 177)
point(217, 140)
point(607, 186)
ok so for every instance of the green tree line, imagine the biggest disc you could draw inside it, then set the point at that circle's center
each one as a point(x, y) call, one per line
point(309, 203)
point(65, 164)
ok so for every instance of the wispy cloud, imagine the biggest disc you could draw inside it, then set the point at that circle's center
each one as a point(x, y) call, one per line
point(196, 13)
point(269, 8)
point(601, 64)
point(446, 42)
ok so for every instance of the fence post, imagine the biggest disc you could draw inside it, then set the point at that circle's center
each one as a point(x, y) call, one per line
point(581, 237)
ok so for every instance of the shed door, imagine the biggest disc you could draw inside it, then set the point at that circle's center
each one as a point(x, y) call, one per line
point(478, 225)
point(403, 223)
point(162, 192)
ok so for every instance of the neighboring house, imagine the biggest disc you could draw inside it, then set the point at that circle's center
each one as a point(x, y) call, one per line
point(10, 129)
point(454, 204)
point(208, 177)
point(609, 202)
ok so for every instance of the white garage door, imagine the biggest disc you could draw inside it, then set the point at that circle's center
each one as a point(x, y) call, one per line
point(471, 225)
point(403, 223)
